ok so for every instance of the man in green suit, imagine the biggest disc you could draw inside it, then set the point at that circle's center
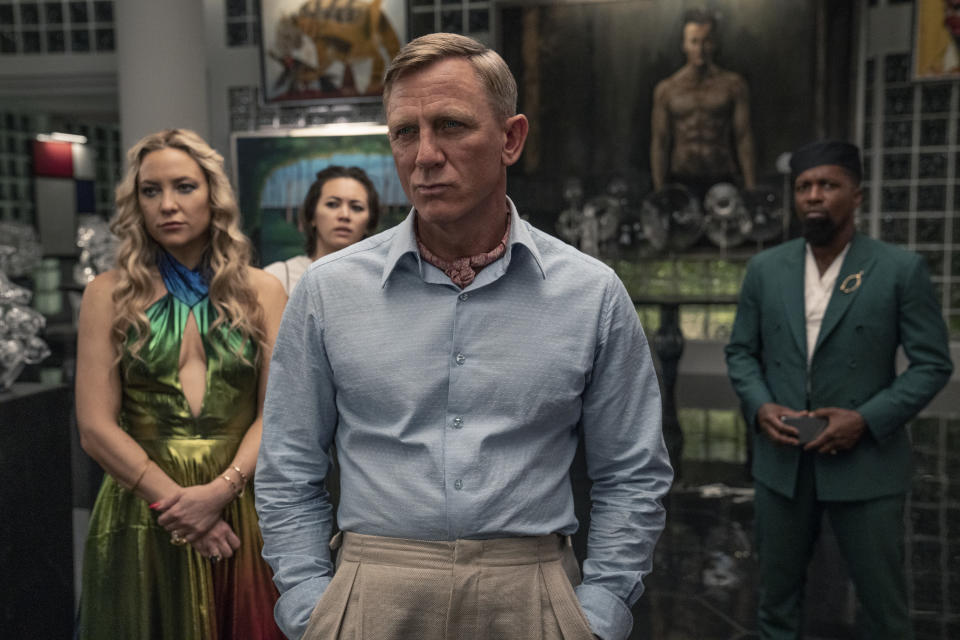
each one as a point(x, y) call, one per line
point(818, 326)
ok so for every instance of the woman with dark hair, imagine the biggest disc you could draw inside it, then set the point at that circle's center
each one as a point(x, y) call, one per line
point(172, 356)
point(341, 207)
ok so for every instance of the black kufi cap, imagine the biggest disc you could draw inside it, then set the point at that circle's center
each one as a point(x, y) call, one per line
point(824, 152)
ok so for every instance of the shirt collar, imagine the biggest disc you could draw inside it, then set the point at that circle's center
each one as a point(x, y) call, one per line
point(810, 262)
point(404, 241)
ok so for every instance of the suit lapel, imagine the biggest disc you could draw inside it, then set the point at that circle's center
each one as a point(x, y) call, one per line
point(854, 271)
point(791, 290)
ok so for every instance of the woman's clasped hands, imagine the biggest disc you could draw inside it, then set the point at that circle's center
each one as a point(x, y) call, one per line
point(194, 515)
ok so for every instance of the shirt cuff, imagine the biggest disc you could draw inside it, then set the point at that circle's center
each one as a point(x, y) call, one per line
point(609, 616)
point(294, 607)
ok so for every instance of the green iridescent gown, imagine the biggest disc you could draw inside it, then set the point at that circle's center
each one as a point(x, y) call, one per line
point(136, 585)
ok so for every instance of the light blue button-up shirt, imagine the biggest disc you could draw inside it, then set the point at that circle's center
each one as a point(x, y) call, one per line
point(456, 413)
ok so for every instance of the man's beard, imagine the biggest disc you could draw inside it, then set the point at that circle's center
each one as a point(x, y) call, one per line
point(819, 231)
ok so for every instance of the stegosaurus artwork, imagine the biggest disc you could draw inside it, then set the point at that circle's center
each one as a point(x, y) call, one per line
point(331, 48)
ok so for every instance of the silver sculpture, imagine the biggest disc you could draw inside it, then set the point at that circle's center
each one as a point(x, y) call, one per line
point(19, 325)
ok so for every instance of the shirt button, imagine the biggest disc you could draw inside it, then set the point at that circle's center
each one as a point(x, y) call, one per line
point(458, 485)
point(458, 422)
point(461, 358)
point(463, 296)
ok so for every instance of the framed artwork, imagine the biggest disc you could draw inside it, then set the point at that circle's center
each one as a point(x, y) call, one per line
point(327, 50)
point(274, 170)
point(936, 41)
point(589, 75)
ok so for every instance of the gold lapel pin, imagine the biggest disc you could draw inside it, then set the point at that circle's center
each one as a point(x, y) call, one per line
point(852, 282)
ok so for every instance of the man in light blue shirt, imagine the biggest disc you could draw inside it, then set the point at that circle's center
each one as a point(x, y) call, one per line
point(455, 360)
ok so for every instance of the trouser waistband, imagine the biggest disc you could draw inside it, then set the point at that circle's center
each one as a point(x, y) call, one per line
point(440, 554)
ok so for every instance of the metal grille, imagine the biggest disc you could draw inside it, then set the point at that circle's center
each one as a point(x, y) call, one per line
point(933, 528)
point(75, 26)
point(474, 19)
point(16, 172)
point(911, 143)
point(242, 22)
point(248, 114)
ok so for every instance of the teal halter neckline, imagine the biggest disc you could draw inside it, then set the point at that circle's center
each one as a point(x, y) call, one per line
point(189, 286)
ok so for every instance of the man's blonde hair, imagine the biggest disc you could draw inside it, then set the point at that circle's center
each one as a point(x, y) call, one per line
point(490, 67)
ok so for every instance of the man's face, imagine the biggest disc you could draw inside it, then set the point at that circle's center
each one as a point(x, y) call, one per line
point(448, 144)
point(826, 198)
point(951, 17)
point(698, 43)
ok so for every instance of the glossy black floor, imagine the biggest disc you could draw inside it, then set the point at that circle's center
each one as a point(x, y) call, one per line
point(704, 582)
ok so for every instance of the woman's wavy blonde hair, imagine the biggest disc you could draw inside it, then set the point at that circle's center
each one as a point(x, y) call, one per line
point(226, 256)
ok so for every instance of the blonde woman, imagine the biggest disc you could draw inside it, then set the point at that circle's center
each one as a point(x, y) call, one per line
point(341, 207)
point(173, 350)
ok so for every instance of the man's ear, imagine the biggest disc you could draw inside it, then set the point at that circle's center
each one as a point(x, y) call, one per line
point(516, 131)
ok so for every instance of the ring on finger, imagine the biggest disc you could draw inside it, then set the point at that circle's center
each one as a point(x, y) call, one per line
point(177, 539)
point(216, 558)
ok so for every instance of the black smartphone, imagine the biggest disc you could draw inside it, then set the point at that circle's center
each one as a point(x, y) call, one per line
point(809, 427)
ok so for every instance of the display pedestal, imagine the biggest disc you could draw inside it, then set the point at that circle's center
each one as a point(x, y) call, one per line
point(36, 548)
point(668, 344)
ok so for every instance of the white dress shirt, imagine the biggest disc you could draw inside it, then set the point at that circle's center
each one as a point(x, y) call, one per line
point(817, 290)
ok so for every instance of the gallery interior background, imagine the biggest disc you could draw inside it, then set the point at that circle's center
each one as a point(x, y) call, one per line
point(79, 67)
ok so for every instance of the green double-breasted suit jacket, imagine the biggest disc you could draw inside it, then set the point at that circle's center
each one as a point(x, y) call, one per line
point(890, 304)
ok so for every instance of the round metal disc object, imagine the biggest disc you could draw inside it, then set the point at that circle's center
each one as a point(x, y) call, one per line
point(607, 212)
point(671, 218)
point(727, 221)
point(767, 213)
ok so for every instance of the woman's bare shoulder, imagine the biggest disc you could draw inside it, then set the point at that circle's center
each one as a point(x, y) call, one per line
point(102, 286)
point(267, 286)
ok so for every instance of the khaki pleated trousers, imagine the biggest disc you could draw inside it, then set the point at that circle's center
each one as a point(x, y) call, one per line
point(395, 589)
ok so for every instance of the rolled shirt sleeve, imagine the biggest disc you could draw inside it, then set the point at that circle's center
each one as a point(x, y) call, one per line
point(628, 464)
